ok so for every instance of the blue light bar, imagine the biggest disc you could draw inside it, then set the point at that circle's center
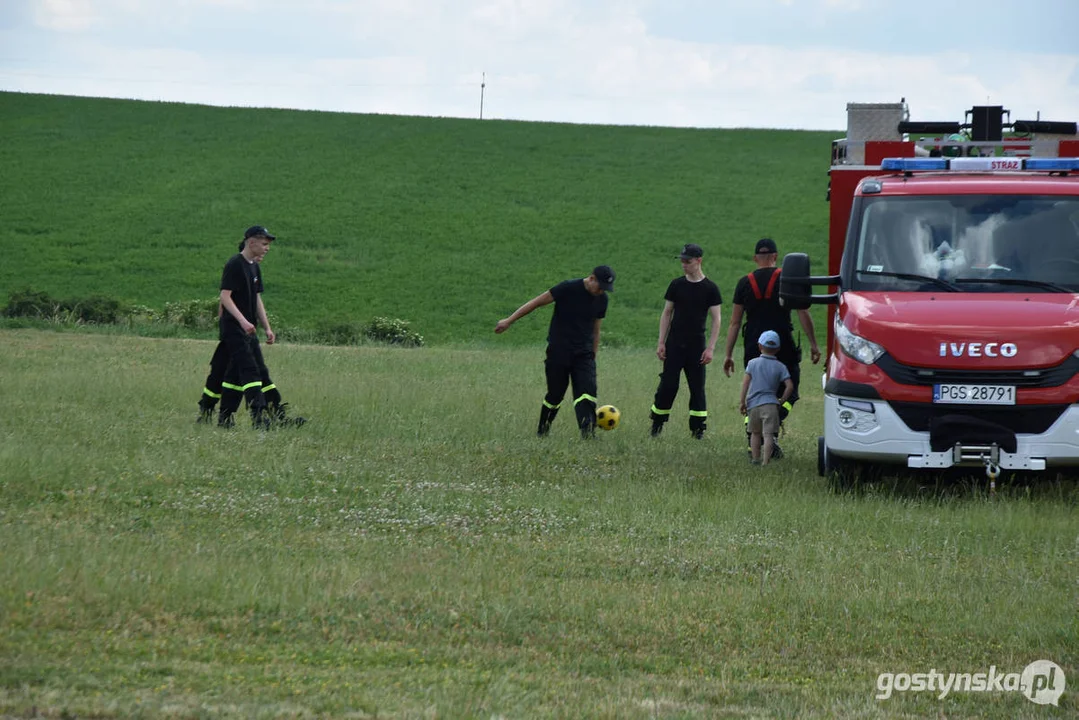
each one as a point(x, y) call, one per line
point(914, 164)
point(981, 164)
point(1052, 164)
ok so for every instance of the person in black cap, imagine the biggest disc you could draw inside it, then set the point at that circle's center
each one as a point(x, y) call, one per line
point(246, 375)
point(572, 343)
point(755, 309)
point(690, 301)
point(230, 394)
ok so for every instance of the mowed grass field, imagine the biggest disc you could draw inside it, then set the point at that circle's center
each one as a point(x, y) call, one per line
point(415, 551)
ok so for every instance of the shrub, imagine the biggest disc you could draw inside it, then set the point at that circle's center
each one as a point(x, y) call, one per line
point(30, 303)
point(199, 314)
point(392, 331)
point(143, 314)
point(96, 309)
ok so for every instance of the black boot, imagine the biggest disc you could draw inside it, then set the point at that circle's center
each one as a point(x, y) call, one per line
point(547, 416)
point(261, 418)
point(279, 413)
point(588, 428)
point(206, 412)
point(657, 428)
point(777, 452)
point(226, 420)
point(697, 426)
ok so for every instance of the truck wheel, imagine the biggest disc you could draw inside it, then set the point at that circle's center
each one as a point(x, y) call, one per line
point(828, 463)
point(842, 474)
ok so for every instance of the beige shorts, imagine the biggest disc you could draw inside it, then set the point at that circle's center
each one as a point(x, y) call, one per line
point(764, 419)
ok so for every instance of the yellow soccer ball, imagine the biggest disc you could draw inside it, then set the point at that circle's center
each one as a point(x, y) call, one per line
point(607, 417)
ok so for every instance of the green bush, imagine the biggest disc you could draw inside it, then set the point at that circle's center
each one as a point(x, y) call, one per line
point(96, 309)
point(30, 303)
point(143, 314)
point(198, 314)
point(392, 331)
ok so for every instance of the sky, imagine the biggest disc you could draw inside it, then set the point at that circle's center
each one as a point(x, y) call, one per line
point(675, 63)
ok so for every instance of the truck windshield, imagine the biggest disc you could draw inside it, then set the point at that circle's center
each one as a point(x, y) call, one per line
point(965, 243)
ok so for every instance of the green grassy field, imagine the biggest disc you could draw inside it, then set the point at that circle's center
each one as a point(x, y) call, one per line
point(415, 551)
point(449, 224)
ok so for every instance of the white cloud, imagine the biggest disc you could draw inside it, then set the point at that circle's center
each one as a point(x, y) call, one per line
point(65, 15)
point(557, 60)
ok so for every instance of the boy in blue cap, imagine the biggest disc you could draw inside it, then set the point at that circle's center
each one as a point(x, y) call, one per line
point(763, 375)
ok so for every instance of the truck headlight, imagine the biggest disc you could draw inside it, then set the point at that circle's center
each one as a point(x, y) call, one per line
point(856, 415)
point(862, 350)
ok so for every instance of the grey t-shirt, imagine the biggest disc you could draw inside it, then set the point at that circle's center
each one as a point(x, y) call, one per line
point(766, 373)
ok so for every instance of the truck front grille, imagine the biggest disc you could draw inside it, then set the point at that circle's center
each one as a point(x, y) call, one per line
point(1034, 378)
point(1017, 418)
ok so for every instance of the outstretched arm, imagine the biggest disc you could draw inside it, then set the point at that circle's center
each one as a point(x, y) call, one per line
point(539, 301)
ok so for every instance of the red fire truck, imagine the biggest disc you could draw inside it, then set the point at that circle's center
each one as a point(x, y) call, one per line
point(954, 284)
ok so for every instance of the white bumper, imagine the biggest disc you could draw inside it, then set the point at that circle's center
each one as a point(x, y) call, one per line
point(870, 430)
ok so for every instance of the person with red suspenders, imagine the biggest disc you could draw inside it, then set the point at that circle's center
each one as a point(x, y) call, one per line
point(755, 309)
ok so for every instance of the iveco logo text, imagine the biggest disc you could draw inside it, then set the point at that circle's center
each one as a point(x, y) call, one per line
point(979, 349)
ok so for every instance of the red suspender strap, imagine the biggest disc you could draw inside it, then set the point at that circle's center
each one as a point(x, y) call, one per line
point(772, 284)
point(756, 288)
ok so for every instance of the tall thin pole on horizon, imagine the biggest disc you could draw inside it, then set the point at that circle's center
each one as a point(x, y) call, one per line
point(483, 84)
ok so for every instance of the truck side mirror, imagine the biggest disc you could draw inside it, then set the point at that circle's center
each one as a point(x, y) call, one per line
point(796, 284)
point(794, 288)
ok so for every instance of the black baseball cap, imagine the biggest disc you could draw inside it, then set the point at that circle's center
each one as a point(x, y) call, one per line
point(765, 245)
point(605, 277)
point(690, 250)
point(258, 231)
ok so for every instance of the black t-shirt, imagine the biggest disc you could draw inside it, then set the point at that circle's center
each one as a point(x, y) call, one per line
point(244, 279)
point(766, 313)
point(575, 312)
point(692, 301)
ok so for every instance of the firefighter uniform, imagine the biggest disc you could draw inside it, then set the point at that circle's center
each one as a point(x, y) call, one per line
point(243, 279)
point(685, 343)
point(570, 356)
point(758, 294)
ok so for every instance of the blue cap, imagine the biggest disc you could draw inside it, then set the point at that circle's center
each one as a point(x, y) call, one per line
point(769, 339)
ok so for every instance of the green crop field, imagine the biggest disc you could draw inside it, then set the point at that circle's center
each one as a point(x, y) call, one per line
point(449, 224)
point(414, 550)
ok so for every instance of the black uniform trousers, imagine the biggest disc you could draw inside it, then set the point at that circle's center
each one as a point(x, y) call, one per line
point(563, 367)
point(247, 374)
point(682, 359)
point(212, 389)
